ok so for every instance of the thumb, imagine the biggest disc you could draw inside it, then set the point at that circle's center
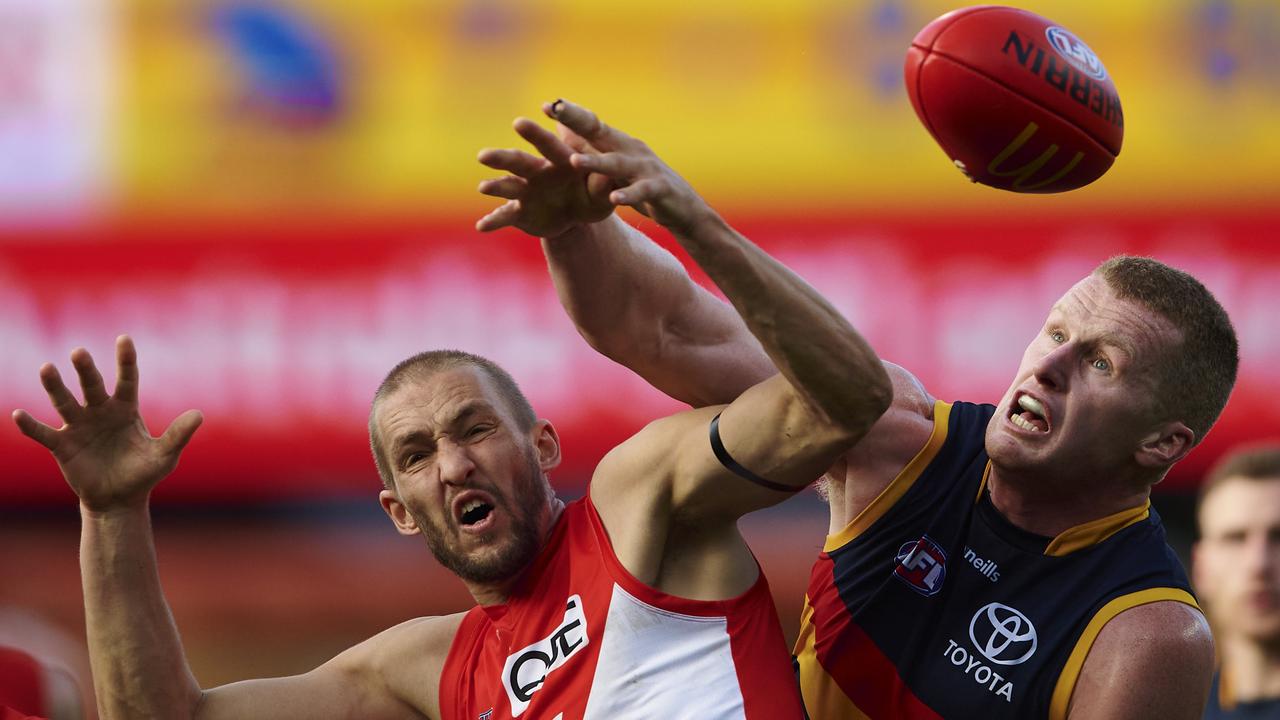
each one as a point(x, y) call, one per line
point(179, 432)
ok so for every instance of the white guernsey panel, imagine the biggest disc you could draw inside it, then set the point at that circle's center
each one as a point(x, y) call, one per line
point(646, 651)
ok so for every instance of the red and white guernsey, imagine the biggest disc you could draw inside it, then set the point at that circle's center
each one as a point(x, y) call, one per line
point(582, 639)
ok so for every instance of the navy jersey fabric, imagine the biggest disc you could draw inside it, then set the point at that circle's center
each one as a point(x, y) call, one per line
point(931, 604)
point(1221, 708)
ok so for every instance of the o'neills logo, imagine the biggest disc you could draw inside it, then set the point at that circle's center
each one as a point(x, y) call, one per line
point(989, 569)
point(526, 670)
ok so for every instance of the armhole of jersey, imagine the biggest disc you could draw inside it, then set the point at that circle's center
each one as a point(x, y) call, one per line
point(820, 692)
point(462, 646)
point(899, 486)
point(1071, 671)
point(645, 593)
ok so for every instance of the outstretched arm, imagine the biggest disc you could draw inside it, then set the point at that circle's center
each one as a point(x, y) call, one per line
point(630, 298)
point(634, 302)
point(822, 357)
point(781, 433)
point(112, 463)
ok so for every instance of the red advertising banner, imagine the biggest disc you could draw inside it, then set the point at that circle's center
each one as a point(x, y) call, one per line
point(280, 334)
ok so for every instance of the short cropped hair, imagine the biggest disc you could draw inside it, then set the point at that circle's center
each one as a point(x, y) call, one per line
point(1197, 378)
point(1254, 462)
point(424, 365)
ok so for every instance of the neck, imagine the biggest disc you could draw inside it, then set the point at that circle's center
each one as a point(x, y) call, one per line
point(497, 592)
point(1250, 669)
point(1047, 508)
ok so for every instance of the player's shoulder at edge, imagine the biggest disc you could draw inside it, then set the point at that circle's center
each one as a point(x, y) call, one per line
point(1151, 661)
point(909, 394)
point(651, 451)
point(402, 656)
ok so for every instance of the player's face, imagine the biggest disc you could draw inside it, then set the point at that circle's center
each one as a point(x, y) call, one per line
point(1085, 393)
point(1237, 561)
point(466, 476)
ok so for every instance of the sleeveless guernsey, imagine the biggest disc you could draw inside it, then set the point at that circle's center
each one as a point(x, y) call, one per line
point(583, 639)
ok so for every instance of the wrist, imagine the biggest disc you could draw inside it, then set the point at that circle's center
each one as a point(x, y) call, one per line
point(580, 230)
point(115, 509)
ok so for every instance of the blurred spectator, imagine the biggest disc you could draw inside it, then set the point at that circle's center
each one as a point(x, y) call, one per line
point(1236, 568)
point(43, 671)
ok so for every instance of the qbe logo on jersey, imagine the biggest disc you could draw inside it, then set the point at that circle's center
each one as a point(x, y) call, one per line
point(921, 564)
point(526, 669)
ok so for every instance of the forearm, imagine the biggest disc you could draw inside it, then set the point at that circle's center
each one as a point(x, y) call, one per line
point(615, 282)
point(634, 302)
point(139, 666)
point(822, 356)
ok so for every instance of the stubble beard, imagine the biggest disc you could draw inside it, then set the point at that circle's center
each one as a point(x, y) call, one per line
point(506, 558)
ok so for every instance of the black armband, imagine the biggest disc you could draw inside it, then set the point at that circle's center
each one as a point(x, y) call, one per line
point(717, 447)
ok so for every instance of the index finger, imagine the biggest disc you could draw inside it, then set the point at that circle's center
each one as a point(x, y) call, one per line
point(126, 370)
point(586, 124)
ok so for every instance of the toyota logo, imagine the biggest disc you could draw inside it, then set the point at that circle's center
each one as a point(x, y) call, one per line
point(1004, 635)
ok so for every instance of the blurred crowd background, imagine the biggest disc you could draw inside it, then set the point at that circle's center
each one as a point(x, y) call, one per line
point(276, 199)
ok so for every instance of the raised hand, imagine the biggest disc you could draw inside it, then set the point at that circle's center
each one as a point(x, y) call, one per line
point(643, 181)
point(546, 196)
point(103, 448)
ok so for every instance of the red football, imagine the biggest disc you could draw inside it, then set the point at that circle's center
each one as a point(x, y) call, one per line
point(1017, 102)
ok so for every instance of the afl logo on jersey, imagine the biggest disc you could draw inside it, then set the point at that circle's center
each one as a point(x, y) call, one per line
point(922, 565)
point(526, 669)
point(1003, 635)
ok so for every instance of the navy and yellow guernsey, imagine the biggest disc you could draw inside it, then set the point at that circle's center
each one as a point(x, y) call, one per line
point(931, 605)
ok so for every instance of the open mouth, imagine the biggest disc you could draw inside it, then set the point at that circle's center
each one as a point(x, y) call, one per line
point(474, 512)
point(1029, 414)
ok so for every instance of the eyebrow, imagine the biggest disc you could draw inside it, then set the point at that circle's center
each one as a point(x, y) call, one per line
point(1119, 342)
point(465, 413)
point(1109, 338)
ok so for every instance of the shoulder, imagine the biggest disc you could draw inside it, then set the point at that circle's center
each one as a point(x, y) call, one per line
point(405, 661)
point(900, 433)
point(651, 454)
point(895, 439)
point(1150, 661)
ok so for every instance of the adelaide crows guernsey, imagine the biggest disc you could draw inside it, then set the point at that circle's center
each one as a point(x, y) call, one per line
point(582, 638)
point(930, 604)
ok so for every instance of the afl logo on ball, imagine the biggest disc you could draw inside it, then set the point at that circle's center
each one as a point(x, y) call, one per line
point(1002, 634)
point(922, 565)
point(1076, 52)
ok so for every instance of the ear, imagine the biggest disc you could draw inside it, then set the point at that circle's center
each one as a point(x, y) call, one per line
point(1165, 446)
point(399, 514)
point(547, 443)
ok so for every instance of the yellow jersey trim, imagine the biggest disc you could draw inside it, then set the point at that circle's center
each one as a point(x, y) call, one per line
point(822, 696)
point(1095, 531)
point(1071, 671)
point(899, 486)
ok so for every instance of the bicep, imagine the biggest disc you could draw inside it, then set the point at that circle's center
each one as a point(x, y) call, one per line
point(326, 692)
point(1152, 661)
point(671, 468)
point(392, 676)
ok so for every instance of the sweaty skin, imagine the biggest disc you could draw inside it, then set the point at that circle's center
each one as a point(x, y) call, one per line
point(1088, 368)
